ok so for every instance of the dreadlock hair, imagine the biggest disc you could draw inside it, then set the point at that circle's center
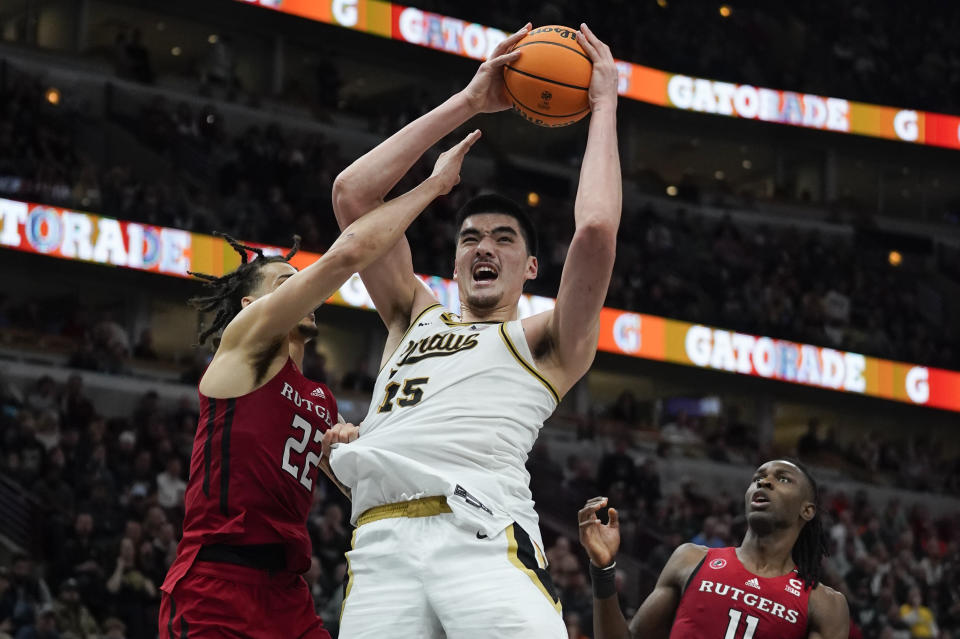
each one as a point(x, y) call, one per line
point(228, 290)
point(811, 546)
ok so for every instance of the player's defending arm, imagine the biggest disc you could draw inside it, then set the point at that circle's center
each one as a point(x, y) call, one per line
point(655, 617)
point(363, 185)
point(829, 614)
point(361, 243)
point(574, 324)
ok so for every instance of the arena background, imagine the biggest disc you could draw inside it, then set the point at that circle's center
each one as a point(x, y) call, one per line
point(787, 279)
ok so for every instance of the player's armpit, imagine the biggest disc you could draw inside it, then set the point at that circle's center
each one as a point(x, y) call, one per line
point(829, 614)
point(655, 617)
point(575, 322)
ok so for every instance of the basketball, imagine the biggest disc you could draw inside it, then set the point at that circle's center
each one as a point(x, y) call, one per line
point(548, 85)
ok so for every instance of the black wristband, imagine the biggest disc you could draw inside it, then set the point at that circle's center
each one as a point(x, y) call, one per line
point(604, 580)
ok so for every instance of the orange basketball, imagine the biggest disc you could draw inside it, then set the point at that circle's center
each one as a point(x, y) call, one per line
point(548, 84)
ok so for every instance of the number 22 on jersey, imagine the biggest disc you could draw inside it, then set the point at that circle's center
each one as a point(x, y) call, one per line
point(293, 445)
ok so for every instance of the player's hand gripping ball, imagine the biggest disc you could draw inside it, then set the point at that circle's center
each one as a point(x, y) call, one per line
point(548, 85)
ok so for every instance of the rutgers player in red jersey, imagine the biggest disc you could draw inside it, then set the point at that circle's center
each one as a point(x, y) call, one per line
point(767, 588)
point(261, 432)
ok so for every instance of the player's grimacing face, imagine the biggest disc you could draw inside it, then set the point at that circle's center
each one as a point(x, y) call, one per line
point(492, 263)
point(778, 492)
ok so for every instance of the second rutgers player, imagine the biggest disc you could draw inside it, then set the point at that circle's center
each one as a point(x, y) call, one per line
point(263, 428)
point(767, 588)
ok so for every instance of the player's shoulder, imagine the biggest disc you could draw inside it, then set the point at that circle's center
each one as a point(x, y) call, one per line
point(684, 560)
point(828, 612)
point(826, 599)
point(690, 552)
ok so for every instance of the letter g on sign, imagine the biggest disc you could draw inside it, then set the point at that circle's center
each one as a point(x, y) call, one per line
point(918, 384)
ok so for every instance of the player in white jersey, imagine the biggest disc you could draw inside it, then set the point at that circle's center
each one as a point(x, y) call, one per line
point(447, 542)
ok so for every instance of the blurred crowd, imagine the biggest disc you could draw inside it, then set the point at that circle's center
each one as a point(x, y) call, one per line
point(267, 183)
point(111, 494)
point(874, 52)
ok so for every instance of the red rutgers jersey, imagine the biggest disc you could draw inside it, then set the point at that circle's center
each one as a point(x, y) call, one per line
point(253, 469)
point(723, 600)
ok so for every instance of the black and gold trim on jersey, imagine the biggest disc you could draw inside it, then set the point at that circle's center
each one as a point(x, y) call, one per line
point(529, 367)
point(413, 323)
point(348, 584)
point(523, 553)
point(448, 319)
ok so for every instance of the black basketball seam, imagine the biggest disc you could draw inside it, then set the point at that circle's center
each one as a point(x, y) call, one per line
point(556, 44)
point(549, 115)
point(537, 77)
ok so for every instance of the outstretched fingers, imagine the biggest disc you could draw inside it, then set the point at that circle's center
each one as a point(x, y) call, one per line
point(466, 143)
point(588, 43)
point(507, 43)
point(587, 516)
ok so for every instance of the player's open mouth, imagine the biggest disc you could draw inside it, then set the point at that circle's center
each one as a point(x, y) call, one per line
point(759, 500)
point(485, 273)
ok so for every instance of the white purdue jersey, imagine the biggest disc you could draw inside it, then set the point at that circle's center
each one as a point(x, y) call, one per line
point(455, 412)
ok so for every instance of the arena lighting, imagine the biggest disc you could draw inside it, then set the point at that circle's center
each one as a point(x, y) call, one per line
point(176, 51)
point(725, 11)
point(73, 235)
point(747, 164)
point(212, 38)
point(53, 96)
point(718, 174)
point(533, 198)
point(637, 82)
point(662, 4)
point(672, 191)
point(895, 258)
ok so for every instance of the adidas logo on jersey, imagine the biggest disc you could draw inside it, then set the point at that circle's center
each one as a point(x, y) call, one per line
point(318, 392)
point(753, 583)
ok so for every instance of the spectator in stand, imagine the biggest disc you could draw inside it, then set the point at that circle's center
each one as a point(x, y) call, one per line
point(72, 616)
point(808, 446)
point(43, 396)
point(171, 486)
point(918, 617)
point(8, 602)
point(43, 626)
point(617, 467)
point(114, 629)
point(30, 591)
point(138, 59)
point(710, 535)
point(132, 595)
point(626, 409)
point(76, 408)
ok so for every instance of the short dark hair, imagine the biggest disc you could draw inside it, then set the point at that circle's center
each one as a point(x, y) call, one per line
point(228, 290)
point(495, 203)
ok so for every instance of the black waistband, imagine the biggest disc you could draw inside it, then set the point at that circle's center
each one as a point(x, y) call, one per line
point(270, 557)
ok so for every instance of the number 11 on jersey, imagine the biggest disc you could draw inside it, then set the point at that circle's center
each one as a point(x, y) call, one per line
point(734, 625)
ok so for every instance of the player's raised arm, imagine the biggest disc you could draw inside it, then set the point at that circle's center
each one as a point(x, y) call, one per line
point(365, 240)
point(575, 323)
point(363, 185)
point(655, 617)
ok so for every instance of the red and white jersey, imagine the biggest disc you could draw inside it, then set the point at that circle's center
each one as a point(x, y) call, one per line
point(253, 469)
point(723, 600)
